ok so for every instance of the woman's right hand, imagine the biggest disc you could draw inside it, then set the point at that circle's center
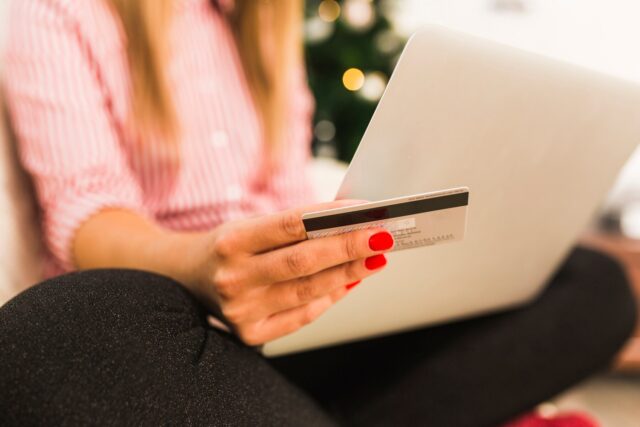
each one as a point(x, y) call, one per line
point(268, 280)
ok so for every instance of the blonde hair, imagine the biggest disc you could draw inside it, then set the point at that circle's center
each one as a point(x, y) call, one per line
point(268, 37)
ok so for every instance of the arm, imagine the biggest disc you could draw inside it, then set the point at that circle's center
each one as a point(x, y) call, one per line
point(264, 276)
point(67, 138)
point(262, 273)
point(117, 238)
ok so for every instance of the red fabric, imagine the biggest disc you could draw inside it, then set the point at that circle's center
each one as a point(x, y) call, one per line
point(564, 420)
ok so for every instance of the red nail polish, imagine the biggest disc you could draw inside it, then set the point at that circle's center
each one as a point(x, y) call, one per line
point(381, 241)
point(354, 284)
point(375, 262)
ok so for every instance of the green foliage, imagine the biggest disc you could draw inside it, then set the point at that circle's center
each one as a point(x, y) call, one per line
point(329, 59)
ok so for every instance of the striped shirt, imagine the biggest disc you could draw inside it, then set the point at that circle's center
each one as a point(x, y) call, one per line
point(68, 91)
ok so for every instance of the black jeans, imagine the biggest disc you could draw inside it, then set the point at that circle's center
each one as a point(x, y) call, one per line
point(119, 347)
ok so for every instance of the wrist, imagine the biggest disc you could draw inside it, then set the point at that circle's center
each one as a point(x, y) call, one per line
point(181, 258)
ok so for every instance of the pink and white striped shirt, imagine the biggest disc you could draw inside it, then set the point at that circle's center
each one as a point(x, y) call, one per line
point(68, 90)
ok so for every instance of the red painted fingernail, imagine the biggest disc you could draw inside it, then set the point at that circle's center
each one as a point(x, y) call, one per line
point(381, 241)
point(375, 262)
point(354, 284)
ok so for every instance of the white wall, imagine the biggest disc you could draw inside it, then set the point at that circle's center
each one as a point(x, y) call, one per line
point(601, 34)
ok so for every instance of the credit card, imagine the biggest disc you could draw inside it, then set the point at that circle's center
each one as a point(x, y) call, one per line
point(420, 220)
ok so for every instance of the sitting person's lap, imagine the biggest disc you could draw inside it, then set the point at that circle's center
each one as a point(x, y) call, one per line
point(124, 346)
point(129, 347)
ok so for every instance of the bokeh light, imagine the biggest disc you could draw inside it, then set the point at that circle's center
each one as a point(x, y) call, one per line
point(358, 14)
point(374, 86)
point(329, 10)
point(388, 42)
point(353, 79)
point(324, 131)
point(317, 30)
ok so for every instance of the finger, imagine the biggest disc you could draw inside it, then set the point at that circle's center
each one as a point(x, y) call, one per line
point(289, 321)
point(312, 256)
point(295, 293)
point(298, 292)
point(260, 234)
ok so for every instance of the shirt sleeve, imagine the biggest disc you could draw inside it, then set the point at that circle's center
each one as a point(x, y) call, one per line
point(66, 135)
point(290, 181)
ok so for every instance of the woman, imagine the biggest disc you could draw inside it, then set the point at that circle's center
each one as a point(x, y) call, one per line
point(162, 136)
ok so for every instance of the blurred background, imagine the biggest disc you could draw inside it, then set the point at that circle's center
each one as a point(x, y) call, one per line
point(352, 47)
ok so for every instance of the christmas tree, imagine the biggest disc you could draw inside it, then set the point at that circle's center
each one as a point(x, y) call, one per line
point(351, 50)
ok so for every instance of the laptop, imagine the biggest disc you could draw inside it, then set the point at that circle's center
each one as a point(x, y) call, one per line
point(537, 142)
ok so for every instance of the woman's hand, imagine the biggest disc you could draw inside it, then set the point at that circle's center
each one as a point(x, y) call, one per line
point(268, 280)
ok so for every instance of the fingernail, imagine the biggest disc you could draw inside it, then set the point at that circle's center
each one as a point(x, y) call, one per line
point(375, 262)
point(354, 284)
point(381, 241)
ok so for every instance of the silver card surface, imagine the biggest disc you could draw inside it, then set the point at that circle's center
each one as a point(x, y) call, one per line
point(419, 220)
